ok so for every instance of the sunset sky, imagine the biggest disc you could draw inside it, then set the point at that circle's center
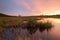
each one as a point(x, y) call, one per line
point(30, 7)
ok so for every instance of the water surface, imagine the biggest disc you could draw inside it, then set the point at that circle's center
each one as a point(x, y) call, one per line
point(53, 34)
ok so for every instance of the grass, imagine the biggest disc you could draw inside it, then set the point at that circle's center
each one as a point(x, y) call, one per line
point(17, 21)
point(13, 20)
point(10, 20)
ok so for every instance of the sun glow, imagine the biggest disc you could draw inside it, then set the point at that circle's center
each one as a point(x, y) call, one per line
point(56, 12)
point(50, 14)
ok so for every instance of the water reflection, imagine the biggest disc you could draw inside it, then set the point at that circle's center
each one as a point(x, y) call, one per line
point(55, 32)
point(22, 34)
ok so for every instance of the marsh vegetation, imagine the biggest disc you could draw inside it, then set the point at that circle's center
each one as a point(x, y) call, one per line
point(14, 27)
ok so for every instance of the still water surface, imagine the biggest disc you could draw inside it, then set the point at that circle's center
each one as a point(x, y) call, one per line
point(53, 34)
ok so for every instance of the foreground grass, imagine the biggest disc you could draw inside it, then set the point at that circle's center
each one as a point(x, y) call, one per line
point(10, 20)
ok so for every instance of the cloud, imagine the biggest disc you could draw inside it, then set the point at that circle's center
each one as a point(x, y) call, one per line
point(39, 6)
point(23, 4)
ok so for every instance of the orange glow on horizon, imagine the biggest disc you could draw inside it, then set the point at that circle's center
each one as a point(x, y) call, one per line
point(56, 12)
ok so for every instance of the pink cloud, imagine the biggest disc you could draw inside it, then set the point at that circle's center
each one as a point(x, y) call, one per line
point(23, 4)
point(26, 5)
point(40, 5)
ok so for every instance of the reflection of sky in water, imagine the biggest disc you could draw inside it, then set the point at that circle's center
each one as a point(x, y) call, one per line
point(54, 34)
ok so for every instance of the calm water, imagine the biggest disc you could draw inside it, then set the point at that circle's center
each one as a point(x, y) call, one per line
point(21, 34)
point(54, 34)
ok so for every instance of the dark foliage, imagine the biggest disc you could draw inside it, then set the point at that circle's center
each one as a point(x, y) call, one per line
point(31, 26)
point(45, 26)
